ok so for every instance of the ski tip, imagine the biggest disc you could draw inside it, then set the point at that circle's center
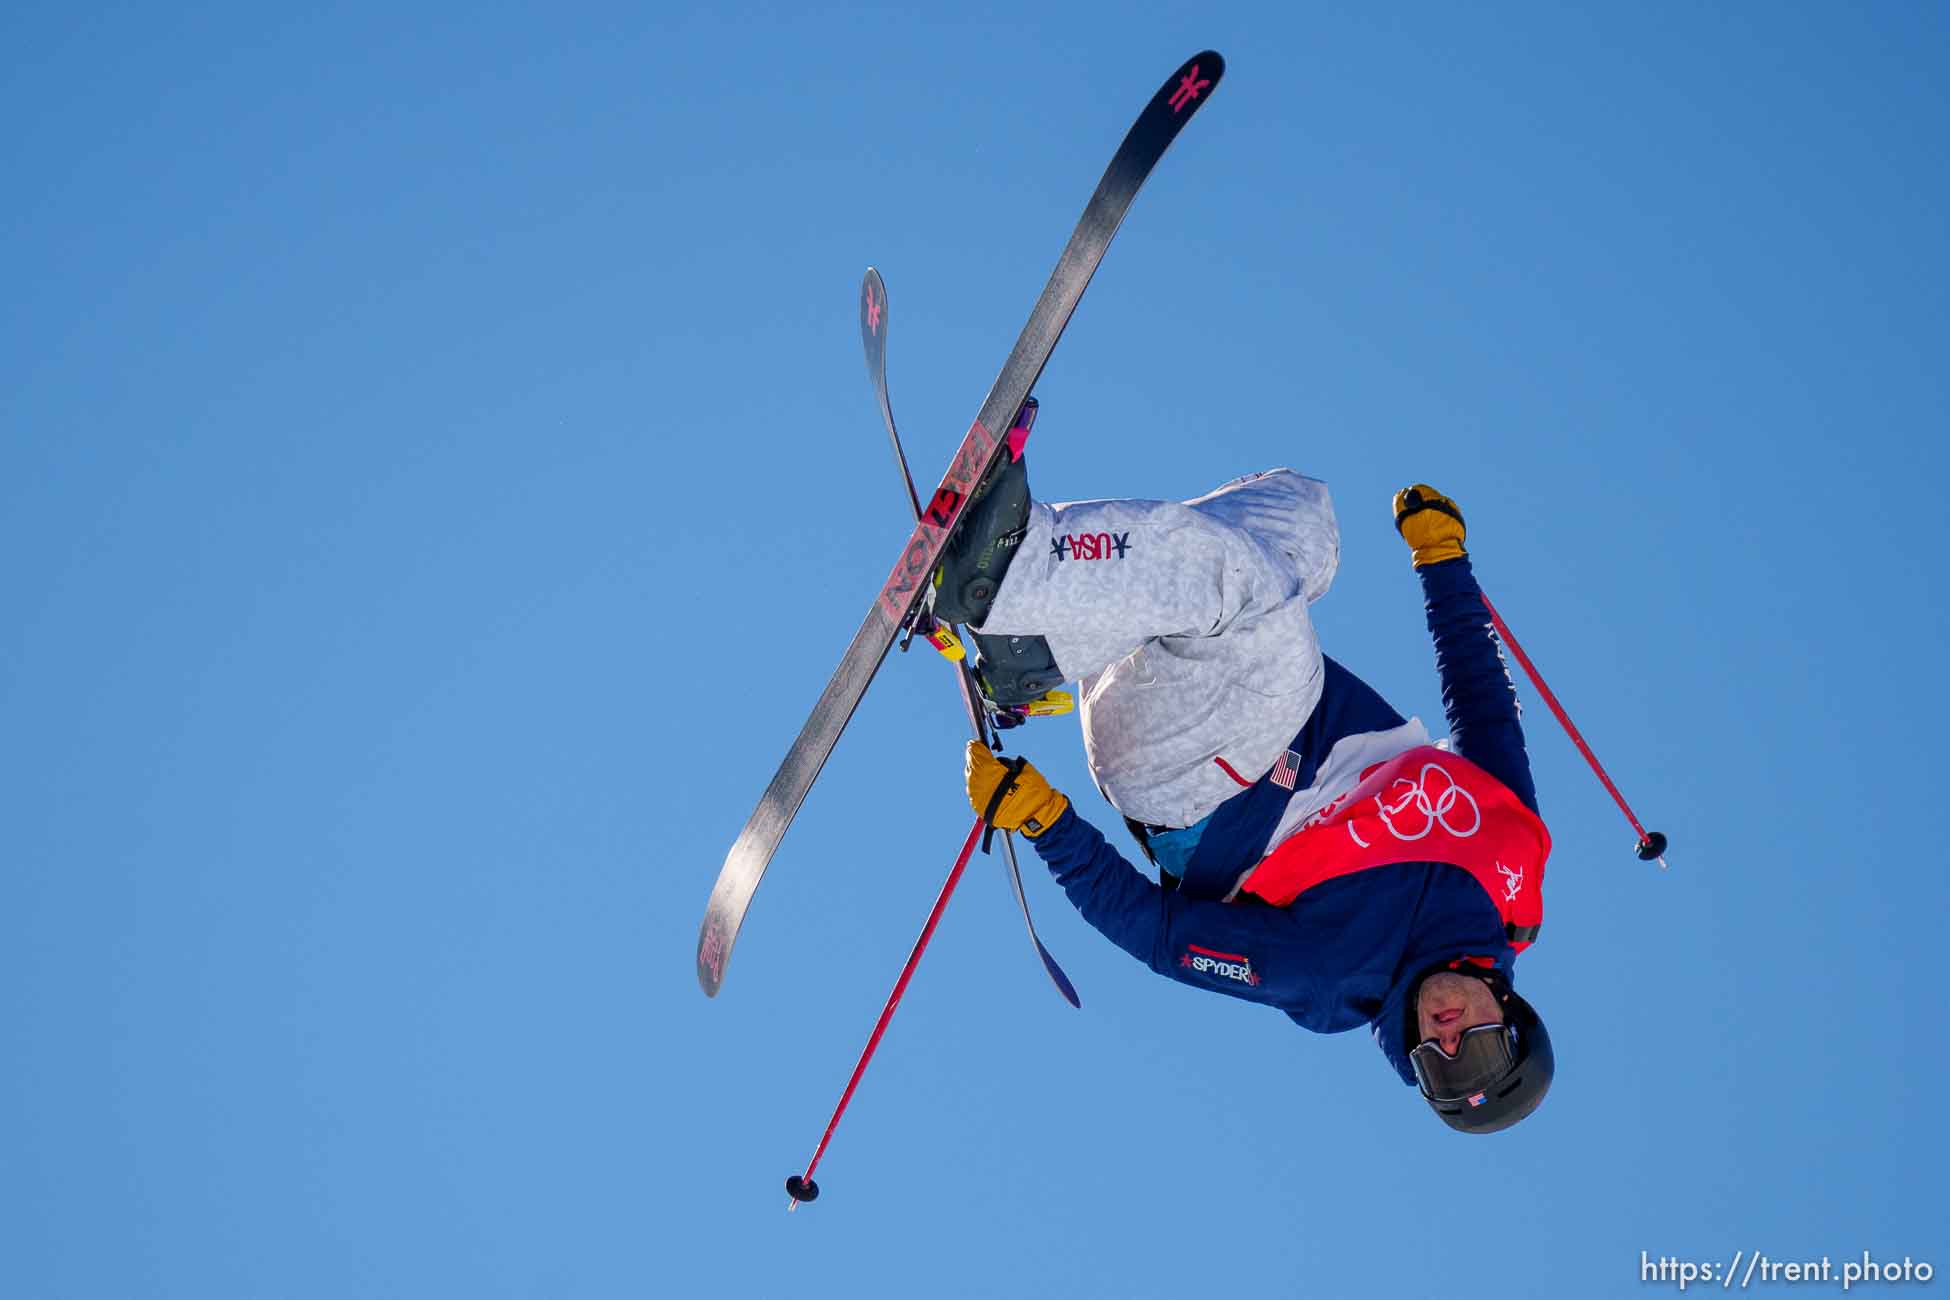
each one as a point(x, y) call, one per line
point(873, 324)
point(1189, 87)
point(1210, 65)
point(713, 951)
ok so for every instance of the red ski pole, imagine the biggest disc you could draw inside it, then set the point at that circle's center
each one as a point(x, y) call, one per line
point(1652, 845)
point(801, 1187)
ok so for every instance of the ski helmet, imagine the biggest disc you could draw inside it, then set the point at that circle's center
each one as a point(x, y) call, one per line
point(1499, 1072)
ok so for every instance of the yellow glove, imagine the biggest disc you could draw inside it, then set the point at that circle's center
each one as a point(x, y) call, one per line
point(1030, 806)
point(1430, 523)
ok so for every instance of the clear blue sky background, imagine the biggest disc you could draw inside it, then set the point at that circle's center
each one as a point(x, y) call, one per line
point(437, 475)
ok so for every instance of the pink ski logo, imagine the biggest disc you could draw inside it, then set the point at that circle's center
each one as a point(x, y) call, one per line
point(924, 544)
point(711, 950)
point(874, 308)
point(1188, 90)
point(941, 509)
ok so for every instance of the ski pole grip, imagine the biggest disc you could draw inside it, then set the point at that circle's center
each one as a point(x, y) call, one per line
point(1002, 790)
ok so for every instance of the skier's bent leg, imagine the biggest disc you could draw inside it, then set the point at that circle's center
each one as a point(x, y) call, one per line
point(1097, 579)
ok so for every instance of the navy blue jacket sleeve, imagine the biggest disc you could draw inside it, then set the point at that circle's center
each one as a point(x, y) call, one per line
point(1477, 693)
point(1242, 948)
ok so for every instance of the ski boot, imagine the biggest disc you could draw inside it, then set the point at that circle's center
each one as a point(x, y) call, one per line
point(1015, 672)
point(991, 529)
point(1019, 674)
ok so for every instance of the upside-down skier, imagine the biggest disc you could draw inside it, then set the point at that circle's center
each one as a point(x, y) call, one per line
point(1315, 852)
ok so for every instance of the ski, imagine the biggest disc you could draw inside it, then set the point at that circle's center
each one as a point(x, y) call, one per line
point(873, 342)
point(873, 338)
point(1175, 103)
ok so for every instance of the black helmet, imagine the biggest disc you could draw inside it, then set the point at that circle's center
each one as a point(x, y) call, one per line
point(1499, 1074)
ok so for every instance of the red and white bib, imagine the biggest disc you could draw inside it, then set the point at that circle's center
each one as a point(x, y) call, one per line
point(1423, 805)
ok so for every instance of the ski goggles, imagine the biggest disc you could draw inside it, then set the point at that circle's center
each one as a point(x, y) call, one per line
point(1485, 1054)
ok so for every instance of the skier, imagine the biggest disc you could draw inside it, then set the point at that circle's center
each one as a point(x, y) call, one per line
point(1314, 851)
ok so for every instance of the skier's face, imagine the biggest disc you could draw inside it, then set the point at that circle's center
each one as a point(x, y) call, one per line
point(1449, 1003)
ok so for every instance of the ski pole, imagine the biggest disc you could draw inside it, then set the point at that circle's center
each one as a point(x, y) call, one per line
point(801, 1187)
point(1651, 845)
point(873, 336)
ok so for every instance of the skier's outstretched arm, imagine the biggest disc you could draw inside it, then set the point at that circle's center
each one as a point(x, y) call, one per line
point(1477, 693)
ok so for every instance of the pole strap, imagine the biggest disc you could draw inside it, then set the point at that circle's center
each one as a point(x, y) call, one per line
point(1002, 790)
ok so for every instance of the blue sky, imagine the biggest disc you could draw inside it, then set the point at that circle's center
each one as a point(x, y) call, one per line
point(437, 475)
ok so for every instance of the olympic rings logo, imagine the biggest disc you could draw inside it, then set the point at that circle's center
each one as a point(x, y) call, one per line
point(1414, 800)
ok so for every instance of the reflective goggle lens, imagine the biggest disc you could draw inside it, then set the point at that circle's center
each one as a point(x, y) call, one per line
point(1485, 1054)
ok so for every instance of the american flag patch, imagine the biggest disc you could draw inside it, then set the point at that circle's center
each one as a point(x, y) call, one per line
point(1287, 771)
point(1479, 1099)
